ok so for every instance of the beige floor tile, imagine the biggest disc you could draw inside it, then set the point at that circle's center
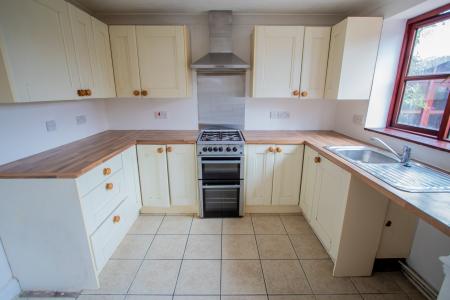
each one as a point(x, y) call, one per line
point(206, 226)
point(241, 277)
point(296, 224)
point(175, 225)
point(156, 277)
point(244, 297)
point(88, 297)
point(199, 277)
point(308, 246)
point(319, 273)
point(148, 297)
point(239, 246)
point(291, 297)
point(267, 224)
point(196, 297)
point(116, 277)
point(377, 283)
point(146, 225)
point(203, 247)
point(133, 247)
point(167, 247)
point(338, 297)
point(237, 225)
point(385, 297)
point(275, 247)
point(405, 285)
point(285, 277)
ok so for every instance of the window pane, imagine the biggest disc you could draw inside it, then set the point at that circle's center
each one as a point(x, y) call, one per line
point(423, 103)
point(431, 50)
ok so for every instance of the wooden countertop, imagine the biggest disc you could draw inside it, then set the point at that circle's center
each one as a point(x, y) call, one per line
point(74, 159)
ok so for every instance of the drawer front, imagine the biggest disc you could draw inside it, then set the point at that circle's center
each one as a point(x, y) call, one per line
point(101, 201)
point(94, 177)
point(109, 235)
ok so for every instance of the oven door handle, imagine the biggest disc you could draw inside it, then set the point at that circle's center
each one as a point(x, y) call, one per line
point(225, 187)
point(227, 162)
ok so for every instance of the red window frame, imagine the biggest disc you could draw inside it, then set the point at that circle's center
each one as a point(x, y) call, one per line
point(412, 25)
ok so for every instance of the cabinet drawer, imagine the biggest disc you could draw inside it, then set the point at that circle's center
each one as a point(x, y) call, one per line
point(94, 177)
point(101, 201)
point(109, 235)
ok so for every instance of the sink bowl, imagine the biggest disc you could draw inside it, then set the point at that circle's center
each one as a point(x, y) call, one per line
point(411, 177)
point(363, 154)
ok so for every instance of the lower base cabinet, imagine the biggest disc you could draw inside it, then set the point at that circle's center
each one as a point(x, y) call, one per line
point(58, 233)
point(349, 217)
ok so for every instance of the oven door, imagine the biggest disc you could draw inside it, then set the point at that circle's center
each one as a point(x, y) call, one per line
point(221, 168)
point(221, 198)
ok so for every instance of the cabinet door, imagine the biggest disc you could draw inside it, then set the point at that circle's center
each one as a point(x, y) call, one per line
point(287, 174)
point(277, 60)
point(337, 41)
point(182, 167)
point(125, 60)
point(314, 62)
point(162, 53)
point(83, 38)
point(330, 196)
point(104, 78)
point(153, 175)
point(131, 172)
point(38, 50)
point(308, 182)
point(259, 174)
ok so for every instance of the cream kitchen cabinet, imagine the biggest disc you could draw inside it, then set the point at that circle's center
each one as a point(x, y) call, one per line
point(353, 54)
point(308, 182)
point(151, 61)
point(273, 175)
point(168, 175)
point(290, 61)
point(48, 52)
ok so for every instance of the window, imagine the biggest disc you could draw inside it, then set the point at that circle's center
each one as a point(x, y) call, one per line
point(421, 96)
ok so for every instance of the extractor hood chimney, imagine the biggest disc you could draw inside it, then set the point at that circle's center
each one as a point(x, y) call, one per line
point(220, 56)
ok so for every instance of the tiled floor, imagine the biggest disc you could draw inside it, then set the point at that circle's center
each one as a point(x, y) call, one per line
point(257, 257)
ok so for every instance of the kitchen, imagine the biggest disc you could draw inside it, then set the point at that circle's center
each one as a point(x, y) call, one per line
point(128, 127)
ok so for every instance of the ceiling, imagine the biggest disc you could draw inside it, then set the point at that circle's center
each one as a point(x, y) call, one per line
point(238, 6)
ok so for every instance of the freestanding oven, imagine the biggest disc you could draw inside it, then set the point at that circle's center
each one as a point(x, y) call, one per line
point(221, 173)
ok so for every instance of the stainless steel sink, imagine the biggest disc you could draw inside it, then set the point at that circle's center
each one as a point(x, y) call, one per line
point(410, 177)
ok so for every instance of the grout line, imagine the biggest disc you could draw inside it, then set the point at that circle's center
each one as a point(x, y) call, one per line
point(259, 257)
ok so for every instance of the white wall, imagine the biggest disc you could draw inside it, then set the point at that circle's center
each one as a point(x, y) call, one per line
point(9, 287)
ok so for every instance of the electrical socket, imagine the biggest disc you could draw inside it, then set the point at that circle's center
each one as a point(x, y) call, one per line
point(279, 115)
point(50, 125)
point(81, 119)
point(358, 119)
point(160, 114)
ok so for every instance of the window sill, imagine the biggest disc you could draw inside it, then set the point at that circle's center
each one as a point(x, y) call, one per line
point(414, 138)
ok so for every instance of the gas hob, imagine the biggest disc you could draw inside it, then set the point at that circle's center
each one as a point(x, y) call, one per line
point(228, 142)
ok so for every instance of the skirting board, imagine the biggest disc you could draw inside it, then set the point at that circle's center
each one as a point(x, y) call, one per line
point(169, 210)
point(272, 209)
point(10, 290)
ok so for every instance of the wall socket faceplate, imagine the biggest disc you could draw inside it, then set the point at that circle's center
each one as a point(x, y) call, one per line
point(279, 115)
point(50, 125)
point(160, 114)
point(358, 119)
point(81, 119)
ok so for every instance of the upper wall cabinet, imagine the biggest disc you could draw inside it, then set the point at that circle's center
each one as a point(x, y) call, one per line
point(290, 61)
point(352, 58)
point(48, 53)
point(151, 61)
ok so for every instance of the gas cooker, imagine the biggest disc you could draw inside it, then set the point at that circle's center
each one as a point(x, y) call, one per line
point(228, 142)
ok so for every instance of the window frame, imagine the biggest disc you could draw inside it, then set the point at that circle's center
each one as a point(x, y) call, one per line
point(400, 82)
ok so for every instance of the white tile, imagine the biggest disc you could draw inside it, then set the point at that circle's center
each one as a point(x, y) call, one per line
point(203, 247)
point(133, 247)
point(167, 247)
point(175, 225)
point(156, 277)
point(146, 225)
point(199, 277)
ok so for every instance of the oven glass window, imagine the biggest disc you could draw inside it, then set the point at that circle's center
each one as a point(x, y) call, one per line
point(221, 169)
point(221, 201)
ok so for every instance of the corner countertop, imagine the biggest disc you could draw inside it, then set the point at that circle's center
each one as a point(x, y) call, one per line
point(75, 159)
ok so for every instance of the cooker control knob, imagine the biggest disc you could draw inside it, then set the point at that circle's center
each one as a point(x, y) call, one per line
point(205, 149)
point(234, 149)
point(220, 149)
point(209, 149)
point(215, 149)
point(228, 149)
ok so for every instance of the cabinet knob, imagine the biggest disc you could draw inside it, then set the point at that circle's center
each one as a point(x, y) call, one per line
point(144, 92)
point(388, 223)
point(88, 92)
point(271, 149)
point(136, 93)
point(81, 93)
point(106, 171)
point(116, 219)
point(109, 186)
point(317, 159)
point(169, 149)
point(296, 93)
point(160, 150)
point(304, 94)
point(279, 150)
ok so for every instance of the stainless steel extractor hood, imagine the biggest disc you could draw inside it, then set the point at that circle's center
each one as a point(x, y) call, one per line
point(220, 56)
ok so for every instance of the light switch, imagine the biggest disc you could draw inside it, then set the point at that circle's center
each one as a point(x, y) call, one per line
point(81, 119)
point(50, 125)
point(160, 114)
